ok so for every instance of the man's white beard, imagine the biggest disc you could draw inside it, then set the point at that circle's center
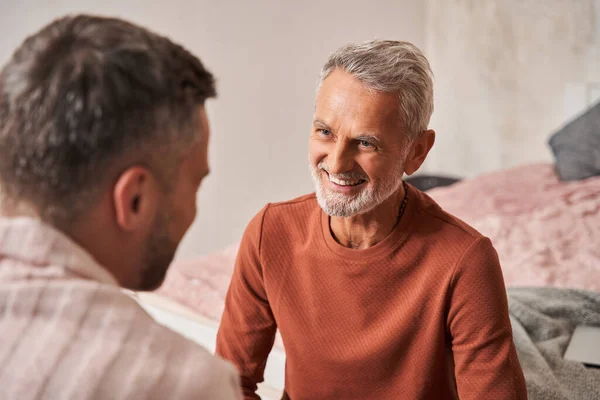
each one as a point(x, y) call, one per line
point(337, 204)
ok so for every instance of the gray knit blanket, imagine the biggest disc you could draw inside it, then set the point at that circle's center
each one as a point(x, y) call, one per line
point(543, 320)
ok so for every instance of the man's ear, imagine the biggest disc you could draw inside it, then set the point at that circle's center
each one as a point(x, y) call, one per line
point(136, 199)
point(419, 152)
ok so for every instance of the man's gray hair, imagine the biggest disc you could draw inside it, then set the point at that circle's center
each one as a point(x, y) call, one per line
point(390, 66)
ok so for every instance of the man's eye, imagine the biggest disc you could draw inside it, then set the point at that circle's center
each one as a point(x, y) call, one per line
point(324, 132)
point(364, 143)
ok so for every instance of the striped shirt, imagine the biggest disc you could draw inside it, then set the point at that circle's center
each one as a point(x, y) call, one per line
point(67, 331)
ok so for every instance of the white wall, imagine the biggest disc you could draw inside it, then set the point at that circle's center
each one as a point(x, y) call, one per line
point(266, 56)
point(509, 73)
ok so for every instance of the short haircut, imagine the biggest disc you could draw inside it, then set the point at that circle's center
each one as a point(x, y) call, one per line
point(393, 67)
point(85, 92)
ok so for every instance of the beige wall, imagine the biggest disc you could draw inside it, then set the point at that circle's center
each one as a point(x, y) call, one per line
point(508, 74)
point(266, 55)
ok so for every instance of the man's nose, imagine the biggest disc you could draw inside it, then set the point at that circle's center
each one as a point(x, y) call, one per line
point(341, 159)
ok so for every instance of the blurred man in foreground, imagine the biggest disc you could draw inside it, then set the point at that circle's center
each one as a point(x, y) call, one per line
point(103, 145)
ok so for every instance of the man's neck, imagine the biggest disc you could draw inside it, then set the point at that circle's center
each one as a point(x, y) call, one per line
point(366, 230)
point(10, 209)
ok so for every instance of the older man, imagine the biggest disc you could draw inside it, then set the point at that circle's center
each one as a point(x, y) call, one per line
point(103, 145)
point(377, 292)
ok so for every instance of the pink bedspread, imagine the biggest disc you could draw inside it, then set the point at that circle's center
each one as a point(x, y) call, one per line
point(547, 233)
point(202, 283)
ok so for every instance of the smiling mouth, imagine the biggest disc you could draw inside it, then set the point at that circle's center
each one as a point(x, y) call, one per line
point(345, 182)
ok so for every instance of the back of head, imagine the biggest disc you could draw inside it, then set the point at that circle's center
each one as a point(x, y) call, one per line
point(82, 98)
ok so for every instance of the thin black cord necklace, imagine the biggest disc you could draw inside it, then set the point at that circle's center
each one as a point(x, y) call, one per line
point(404, 202)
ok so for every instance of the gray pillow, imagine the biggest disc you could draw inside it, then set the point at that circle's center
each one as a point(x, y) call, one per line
point(426, 182)
point(576, 147)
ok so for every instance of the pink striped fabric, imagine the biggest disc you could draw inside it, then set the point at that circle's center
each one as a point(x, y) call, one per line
point(67, 331)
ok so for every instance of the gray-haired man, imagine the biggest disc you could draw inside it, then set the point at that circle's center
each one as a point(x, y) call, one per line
point(377, 292)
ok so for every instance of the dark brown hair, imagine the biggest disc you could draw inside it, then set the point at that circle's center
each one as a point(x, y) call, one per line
point(83, 92)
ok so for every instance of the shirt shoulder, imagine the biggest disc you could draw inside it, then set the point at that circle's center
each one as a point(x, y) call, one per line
point(436, 224)
point(307, 202)
point(195, 373)
point(293, 221)
point(189, 371)
point(283, 221)
point(449, 239)
point(132, 354)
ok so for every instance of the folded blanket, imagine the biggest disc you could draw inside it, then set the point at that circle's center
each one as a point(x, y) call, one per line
point(543, 321)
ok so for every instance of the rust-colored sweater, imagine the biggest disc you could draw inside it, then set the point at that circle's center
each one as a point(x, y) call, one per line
point(421, 315)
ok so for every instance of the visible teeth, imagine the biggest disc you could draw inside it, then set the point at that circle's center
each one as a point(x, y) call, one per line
point(344, 182)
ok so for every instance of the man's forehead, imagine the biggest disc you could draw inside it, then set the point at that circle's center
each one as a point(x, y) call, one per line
point(203, 124)
point(196, 160)
point(342, 96)
point(373, 122)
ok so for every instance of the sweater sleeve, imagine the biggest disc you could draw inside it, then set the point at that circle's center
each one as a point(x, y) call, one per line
point(248, 328)
point(486, 365)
